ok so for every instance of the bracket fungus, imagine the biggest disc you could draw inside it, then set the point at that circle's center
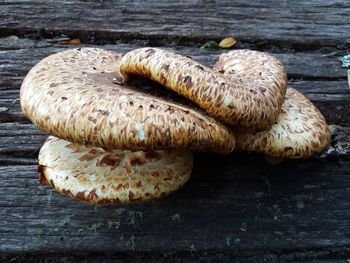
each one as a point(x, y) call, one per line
point(300, 130)
point(81, 97)
point(78, 95)
point(228, 99)
point(98, 176)
point(116, 143)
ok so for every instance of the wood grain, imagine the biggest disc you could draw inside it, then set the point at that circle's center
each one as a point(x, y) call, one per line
point(294, 24)
point(228, 207)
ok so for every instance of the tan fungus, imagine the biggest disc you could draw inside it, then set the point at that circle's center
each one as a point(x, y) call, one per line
point(113, 136)
point(254, 105)
point(79, 95)
point(300, 130)
point(98, 176)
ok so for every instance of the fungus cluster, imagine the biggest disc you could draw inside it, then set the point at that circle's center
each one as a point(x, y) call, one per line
point(112, 142)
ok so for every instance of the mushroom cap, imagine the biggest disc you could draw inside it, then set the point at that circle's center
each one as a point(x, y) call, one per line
point(255, 104)
point(264, 78)
point(79, 95)
point(96, 176)
point(300, 131)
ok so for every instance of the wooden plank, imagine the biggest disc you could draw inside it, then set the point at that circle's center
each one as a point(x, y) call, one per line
point(18, 56)
point(317, 256)
point(20, 143)
point(293, 24)
point(229, 206)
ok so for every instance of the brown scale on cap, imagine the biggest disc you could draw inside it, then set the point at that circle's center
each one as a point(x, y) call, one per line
point(223, 96)
point(79, 95)
point(135, 177)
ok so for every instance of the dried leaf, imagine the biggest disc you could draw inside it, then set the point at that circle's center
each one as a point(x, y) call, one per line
point(210, 44)
point(227, 42)
point(72, 41)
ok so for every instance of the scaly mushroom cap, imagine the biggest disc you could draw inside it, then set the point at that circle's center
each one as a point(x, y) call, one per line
point(79, 95)
point(300, 131)
point(96, 176)
point(254, 105)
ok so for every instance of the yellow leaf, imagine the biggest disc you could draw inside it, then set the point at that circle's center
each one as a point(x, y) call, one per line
point(227, 42)
point(72, 41)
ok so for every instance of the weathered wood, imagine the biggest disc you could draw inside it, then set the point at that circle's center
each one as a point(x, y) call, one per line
point(297, 24)
point(235, 208)
point(296, 256)
point(228, 207)
point(20, 143)
point(18, 56)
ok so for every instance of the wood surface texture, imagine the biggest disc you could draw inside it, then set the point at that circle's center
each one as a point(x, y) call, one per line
point(235, 208)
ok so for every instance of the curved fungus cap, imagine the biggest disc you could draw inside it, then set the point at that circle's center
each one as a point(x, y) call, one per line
point(97, 176)
point(79, 95)
point(251, 105)
point(300, 131)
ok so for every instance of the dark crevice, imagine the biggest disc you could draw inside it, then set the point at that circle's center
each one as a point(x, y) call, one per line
point(299, 77)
